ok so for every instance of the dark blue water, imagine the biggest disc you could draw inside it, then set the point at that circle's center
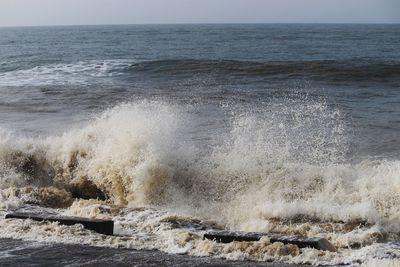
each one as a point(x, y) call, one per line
point(69, 72)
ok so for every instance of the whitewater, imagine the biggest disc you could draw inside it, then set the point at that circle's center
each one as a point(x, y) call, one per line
point(279, 169)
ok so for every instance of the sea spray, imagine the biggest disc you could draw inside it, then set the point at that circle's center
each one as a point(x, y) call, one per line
point(279, 168)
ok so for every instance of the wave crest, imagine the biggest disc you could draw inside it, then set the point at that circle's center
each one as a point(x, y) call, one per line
point(282, 161)
point(99, 71)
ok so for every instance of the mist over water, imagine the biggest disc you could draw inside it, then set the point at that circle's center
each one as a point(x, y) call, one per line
point(246, 127)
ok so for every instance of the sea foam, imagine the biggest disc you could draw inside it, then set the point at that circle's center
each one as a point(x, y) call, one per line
point(281, 169)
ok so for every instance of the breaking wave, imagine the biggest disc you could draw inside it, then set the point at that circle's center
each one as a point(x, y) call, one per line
point(78, 73)
point(281, 168)
point(97, 71)
point(280, 162)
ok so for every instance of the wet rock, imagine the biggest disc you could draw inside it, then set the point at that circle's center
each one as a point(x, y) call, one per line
point(85, 189)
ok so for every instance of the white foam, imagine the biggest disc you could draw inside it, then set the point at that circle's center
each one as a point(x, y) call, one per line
point(79, 73)
point(281, 170)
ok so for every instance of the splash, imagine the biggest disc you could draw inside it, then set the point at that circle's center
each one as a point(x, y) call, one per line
point(280, 167)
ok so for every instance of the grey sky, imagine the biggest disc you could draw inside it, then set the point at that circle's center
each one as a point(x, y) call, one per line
point(77, 12)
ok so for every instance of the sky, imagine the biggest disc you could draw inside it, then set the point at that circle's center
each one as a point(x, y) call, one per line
point(83, 12)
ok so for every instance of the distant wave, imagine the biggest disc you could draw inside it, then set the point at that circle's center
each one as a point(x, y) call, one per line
point(104, 71)
point(321, 69)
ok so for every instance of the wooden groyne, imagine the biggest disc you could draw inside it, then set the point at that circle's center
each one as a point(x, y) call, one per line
point(105, 227)
point(301, 242)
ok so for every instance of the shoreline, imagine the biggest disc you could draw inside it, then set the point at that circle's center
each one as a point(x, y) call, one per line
point(15, 252)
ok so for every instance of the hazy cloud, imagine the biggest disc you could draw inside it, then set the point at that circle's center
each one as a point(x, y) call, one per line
point(66, 12)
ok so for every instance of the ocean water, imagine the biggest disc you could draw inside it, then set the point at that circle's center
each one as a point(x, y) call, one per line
point(171, 130)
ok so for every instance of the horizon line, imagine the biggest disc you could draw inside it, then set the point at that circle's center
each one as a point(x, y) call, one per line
point(198, 23)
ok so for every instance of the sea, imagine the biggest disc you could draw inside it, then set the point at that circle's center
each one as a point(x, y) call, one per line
point(175, 130)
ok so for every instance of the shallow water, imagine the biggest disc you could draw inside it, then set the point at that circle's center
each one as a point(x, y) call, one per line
point(26, 253)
